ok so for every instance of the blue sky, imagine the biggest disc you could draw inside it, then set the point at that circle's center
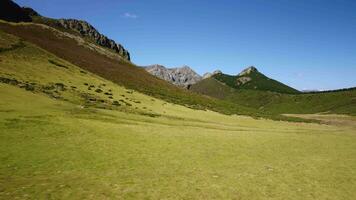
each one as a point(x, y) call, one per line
point(307, 44)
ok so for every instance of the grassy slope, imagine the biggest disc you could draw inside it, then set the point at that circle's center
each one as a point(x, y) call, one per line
point(57, 149)
point(120, 72)
point(342, 102)
point(258, 82)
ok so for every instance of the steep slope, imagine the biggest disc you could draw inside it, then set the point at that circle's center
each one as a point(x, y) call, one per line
point(10, 11)
point(180, 76)
point(85, 30)
point(32, 69)
point(251, 78)
point(212, 87)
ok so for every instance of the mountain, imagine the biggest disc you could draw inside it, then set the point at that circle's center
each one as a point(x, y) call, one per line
point(85, 30)
point(251, 78)
point(10, 11)
point(341, 101)
point(180, 76)
point(86, 54)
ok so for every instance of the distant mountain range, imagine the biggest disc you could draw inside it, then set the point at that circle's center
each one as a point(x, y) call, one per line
point(249, 78)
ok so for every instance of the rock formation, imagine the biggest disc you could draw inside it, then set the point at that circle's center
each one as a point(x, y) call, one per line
point(10, 11)
point(181, 76)
point(208, 74)
point(247, 71)
point(87, 30)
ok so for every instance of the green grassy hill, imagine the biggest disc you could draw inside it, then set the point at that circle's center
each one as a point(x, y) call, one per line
point(341, 102)
point(254, 80)
point(67, 133)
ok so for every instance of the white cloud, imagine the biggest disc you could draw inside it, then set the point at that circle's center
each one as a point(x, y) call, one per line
point(130, 15)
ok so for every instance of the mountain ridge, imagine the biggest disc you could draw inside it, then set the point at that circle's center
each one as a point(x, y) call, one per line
point(10, 11)
point(251, 78)
point(180, 76)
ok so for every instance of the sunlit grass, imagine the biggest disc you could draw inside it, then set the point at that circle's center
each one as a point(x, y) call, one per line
point(64, 149)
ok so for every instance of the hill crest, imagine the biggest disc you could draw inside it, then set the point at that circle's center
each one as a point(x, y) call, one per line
point(251, 78)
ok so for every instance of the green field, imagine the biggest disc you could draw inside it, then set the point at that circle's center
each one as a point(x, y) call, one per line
point(66, 133)
point(57, 150)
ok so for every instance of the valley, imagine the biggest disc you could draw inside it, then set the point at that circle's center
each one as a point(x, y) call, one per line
point(79, 120)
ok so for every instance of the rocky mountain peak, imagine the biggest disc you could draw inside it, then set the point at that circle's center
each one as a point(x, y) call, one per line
point(181, 76)
point(208, 74)
point(87, 30)
point(247, 71)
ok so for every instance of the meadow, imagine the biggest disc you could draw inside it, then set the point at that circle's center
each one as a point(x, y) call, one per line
point(66, 133)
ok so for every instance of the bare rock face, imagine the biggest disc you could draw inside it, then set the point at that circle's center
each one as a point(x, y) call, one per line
point(242, 80)
point(243, 77)
point(208, 74)
point(87, 30)
point(181, 76)
point(248, 71)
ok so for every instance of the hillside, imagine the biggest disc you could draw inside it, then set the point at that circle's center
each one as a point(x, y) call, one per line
point(101, 62)
point(341, 101)
point(252, 79)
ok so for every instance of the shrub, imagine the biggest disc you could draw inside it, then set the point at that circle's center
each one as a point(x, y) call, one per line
point(115, 103)
point(57, 64)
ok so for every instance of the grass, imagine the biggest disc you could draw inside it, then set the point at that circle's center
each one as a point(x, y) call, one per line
point(52, 149)
point(273, 103)
point(67, 148)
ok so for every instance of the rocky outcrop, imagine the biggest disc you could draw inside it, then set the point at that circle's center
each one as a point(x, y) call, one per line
point(243, 77)
point(10, 11)
point(242, 80)
point(87, 30)
point(208, 74)
point(181, 76)
point(248, 71)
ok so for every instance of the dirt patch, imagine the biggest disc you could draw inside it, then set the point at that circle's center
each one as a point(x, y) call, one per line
point(330, 119)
